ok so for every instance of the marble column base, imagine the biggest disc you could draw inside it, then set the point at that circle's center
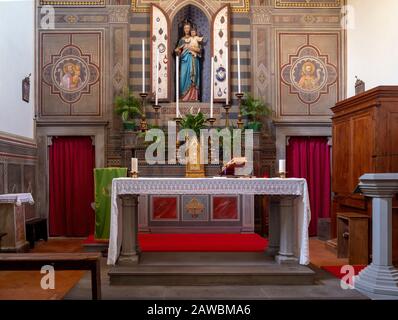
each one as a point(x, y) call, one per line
point(374, 279)
point(271, 251)
point(282, 259)
point(126, 260)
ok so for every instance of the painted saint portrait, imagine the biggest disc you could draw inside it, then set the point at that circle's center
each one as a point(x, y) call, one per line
point(189, 49)
point(70, 74)
point(309, 80)
point(71, 79)
point(308, 75)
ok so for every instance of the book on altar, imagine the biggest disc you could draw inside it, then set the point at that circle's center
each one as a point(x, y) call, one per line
point(229, 168)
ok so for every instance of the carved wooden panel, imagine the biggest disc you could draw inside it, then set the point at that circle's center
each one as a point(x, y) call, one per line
point(342, 132)
point(14, 178)
point(362, 161)
point(2, 174)
point(71, 65)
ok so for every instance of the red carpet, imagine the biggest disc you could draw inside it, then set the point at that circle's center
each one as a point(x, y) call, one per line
point(152, 242)
point(336, 270)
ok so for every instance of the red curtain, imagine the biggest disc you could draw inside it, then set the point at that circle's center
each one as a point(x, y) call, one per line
point(309, 158)
point(71, 162)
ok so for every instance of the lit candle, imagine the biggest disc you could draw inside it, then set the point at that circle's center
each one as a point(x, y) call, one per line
point(211, 87)
point(282, 166)
point(134, 165)
point(227, 74)
point(143, 65)
point(157, 78)
point(239, 85)
point(177, 86)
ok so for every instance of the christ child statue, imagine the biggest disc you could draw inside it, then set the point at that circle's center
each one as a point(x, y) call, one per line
point(195, 44)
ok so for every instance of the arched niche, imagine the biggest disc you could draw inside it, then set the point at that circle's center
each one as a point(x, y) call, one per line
point(207, 8)
point(199, 18)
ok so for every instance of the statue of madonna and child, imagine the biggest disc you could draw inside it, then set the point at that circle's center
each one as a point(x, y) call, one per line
point(189, 50)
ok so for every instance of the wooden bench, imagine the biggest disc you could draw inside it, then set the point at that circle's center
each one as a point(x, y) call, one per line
point(60, 261)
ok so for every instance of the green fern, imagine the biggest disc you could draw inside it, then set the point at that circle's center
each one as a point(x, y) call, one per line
point(194, 122)
point(128, 106)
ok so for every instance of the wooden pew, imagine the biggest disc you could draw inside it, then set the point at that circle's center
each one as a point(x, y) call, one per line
point(60, 261)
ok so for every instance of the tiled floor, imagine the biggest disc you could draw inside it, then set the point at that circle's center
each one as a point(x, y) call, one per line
point(26, 285)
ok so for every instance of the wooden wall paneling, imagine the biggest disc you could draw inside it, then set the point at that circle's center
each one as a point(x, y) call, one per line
point(362, 150)
point(2, 174)
point(341, 156)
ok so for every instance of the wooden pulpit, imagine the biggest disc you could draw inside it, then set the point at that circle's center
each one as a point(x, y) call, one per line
point(365, 140)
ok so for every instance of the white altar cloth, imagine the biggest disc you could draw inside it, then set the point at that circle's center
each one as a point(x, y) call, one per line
point(244, 186)
point(17, 198)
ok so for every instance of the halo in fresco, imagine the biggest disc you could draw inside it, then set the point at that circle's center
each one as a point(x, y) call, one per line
point(70, 74)
point(308, 74)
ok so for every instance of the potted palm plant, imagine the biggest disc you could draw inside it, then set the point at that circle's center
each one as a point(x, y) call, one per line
point(194, 122)
point(254, 109)
point(128, 107)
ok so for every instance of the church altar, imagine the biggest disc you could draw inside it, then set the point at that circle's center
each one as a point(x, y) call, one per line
point(294, 221)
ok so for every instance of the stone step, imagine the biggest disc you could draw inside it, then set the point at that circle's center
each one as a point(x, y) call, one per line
point(210, 269)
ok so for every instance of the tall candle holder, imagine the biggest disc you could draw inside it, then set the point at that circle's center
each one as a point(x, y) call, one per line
point(156, 107)
point(282, 175)
point(178, 123)
point(143, 123)
point(134, 174)
point(211, 120)
point(227, 107)
point(240, 95)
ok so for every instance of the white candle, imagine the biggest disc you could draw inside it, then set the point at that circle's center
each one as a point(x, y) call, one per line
point(143, 65)
point(282, 166)
point(157, 78)
point(134, 165)
point(211, 87)
point(227, 74)
point(177, 86)
point(239, 85)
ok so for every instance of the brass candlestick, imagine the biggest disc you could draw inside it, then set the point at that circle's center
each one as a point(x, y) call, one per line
point(282, 175)
point(178, 123)
point(227, 107)
point(210, 150)
point(211, 121)
point(143, 123)
point(156, 107)
point(133, 174)
point(240, 95)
